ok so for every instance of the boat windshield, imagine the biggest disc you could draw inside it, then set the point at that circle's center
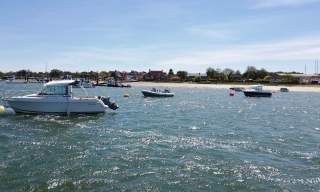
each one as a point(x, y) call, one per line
point(55, 90)
point(257, 87)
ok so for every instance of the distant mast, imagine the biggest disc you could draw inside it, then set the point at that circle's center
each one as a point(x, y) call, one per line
point(45, 73)
point(316, 66)
point(305, 69)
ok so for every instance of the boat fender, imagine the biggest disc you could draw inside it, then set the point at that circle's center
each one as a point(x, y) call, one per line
point(6, 110)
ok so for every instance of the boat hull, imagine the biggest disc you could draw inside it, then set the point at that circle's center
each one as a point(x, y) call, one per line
point(156, 94)
point(257, 94)
point(55, 105)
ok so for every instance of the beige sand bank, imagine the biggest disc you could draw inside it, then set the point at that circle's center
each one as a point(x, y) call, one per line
point(297, 88)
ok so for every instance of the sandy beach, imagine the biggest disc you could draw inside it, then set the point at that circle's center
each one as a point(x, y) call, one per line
point(295, 88)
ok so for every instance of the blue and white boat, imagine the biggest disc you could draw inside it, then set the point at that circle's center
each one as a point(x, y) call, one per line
point(157, 93)
point(257, 91)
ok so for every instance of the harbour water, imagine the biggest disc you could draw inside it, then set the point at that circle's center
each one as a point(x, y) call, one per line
point(199, 140)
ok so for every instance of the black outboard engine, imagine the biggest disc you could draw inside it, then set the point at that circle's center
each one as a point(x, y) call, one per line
point(106, 101)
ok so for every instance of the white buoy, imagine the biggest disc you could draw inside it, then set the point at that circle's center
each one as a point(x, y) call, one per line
point(6, 110)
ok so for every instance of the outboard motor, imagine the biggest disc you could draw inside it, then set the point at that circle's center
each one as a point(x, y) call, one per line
point(106, 101)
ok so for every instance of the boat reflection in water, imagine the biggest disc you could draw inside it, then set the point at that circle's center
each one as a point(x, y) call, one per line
point(57, 97)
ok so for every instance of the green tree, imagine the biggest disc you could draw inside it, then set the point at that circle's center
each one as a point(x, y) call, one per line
point(262, 73)
point(238, 73)
point(267, 78)
point(114, 74)
point(67, 73)
point(22, 73)
point(55, 73)
point(196, 79)
point(211, 73)
point(182, 75)
point(228, 74)
point(171, 73)
point(93, 75)
point(84, 74)
point(104, 74)
point(250, 73)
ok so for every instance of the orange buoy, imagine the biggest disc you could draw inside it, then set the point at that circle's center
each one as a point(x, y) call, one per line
point(126, 95)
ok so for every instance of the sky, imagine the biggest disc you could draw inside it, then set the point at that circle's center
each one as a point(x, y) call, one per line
point(192, 35)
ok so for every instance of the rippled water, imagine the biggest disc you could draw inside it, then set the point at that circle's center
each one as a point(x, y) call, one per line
point(199, 140)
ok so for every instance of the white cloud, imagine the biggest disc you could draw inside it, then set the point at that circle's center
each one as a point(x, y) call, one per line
point(290, 50)
point(281, 3)
point(89, 58)
point(192, 59)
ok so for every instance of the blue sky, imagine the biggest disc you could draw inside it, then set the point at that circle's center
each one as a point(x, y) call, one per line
point(83, 35)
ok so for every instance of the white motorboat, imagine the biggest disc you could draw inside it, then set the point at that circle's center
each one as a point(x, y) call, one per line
point(12, 80)
point(57, 97)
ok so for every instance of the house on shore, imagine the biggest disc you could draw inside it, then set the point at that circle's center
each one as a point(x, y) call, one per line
point(303, 78)
point(155, 76)
point(135, 76)
point(192, 76)
point(310, 79)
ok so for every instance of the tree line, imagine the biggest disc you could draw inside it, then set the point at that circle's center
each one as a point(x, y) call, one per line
point(211, 75)
point(250, 74)
point(56, 73)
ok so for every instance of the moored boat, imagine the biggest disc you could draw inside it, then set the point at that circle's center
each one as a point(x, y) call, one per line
point(83, 83)
point(117, 84)
point(237, 89)
point(157, 93)
point(284, 89)
point(57, 97)
point(257, 91)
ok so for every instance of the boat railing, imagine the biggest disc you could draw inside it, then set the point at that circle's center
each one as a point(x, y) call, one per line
point(12, 93)
point(85, 97)
point(7, 94)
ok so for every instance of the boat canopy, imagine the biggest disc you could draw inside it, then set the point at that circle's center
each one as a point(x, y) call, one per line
point(60, 83)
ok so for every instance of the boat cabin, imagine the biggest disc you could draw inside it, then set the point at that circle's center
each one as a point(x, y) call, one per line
point(63, 87)
point(257, 87)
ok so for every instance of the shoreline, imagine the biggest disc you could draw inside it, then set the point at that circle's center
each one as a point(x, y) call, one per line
point(293, 88)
